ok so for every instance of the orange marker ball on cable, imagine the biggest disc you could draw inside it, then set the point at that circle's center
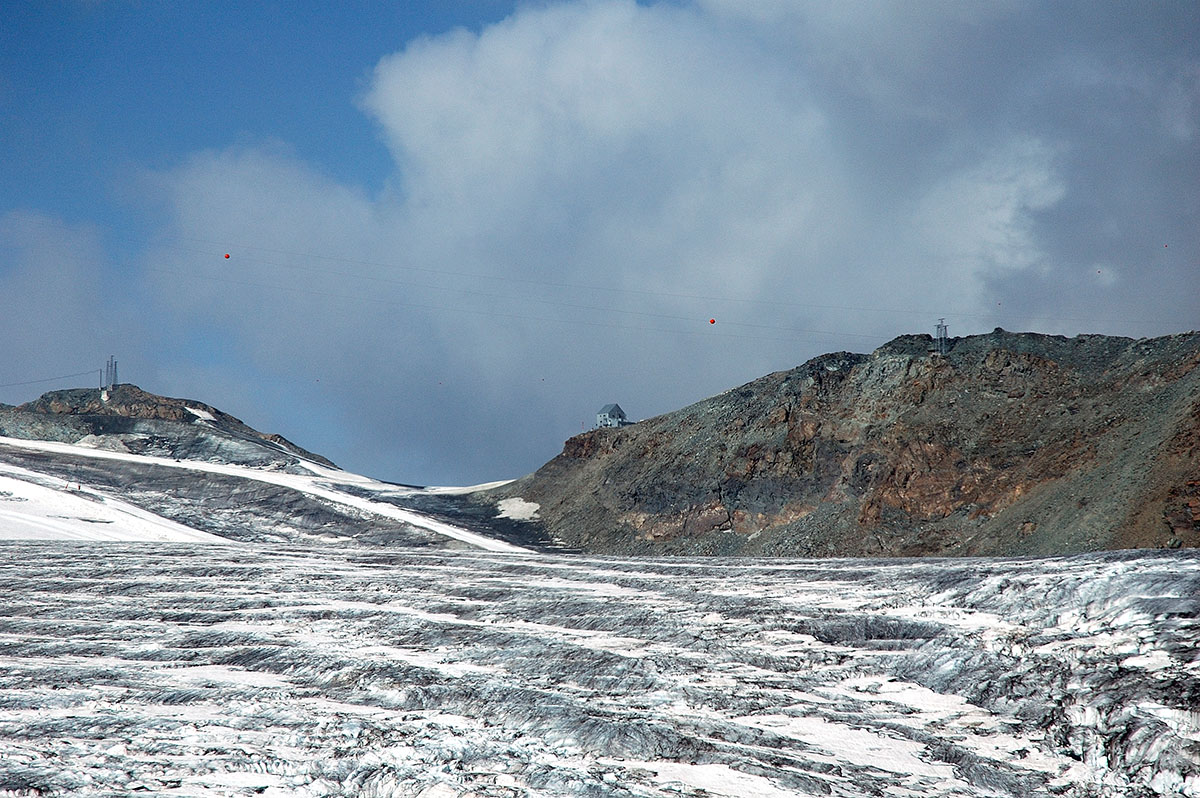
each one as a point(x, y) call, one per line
point(712, 321)
point(226, 254)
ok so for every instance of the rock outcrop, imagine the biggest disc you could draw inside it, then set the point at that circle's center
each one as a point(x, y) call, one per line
point(126, 418)
point(1010, 444)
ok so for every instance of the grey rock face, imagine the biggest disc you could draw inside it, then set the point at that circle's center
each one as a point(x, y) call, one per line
point(1010, 444)
point(130, 419)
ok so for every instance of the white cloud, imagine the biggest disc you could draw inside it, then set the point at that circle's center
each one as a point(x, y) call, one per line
point(606, 137)
point(671, 152)
point(978, 221)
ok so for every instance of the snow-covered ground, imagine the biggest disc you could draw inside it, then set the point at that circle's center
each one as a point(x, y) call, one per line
point(327, 484)
point(39, 507)
point(217, 670)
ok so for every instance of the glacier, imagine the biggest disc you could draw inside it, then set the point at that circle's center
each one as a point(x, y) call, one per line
point(221, 669)
point(184, 628)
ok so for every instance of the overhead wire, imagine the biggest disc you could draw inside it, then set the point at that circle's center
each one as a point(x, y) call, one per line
point(512, 298)
point(50, 379)
point(292, 266)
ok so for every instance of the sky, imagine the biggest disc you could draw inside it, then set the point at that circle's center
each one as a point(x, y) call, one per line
point(457, 229)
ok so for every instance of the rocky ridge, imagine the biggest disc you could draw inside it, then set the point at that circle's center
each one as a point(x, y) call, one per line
point(1010, 444)
point(126, 418)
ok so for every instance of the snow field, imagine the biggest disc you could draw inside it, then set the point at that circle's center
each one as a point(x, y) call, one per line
point(323, 484)
point(38, 507)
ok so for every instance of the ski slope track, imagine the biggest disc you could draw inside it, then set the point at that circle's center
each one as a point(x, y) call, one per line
point(324, 483)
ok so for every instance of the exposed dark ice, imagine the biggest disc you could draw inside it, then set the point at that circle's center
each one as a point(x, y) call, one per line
point(259, 669)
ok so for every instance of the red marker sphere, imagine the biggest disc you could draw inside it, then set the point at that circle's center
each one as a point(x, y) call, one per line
point(712, 321)
point(227, 254)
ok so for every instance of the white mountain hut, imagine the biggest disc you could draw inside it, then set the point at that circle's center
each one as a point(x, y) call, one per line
point(611, 416)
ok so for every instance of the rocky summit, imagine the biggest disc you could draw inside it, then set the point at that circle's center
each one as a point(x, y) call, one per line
point(1007, 444)
point(125, 418)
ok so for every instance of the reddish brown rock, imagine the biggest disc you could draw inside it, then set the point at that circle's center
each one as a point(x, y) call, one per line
point(1012, 443)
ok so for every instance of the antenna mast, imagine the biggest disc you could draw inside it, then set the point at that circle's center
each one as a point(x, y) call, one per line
point(943, 342)
point(110, 372)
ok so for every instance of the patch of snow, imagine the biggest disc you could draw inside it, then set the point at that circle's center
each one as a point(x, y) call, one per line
point(607, 589)
point(201, 415)
point(457, 491)
point(713, 779)
point(518, 509)
point(885, 688)
point(112, 443)
point(1154, 661)
point(223, 674)
point(427, 660)
point(847, 744)
point(257, 782)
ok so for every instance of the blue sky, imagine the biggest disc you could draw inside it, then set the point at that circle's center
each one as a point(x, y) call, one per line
point(95, 91)
point(457, 229)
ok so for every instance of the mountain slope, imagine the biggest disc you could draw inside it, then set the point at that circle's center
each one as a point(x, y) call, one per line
point(1011, 443)
point(125, 464)
point(34, 506)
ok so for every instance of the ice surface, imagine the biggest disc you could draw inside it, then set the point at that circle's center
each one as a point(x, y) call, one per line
point(323, 671)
